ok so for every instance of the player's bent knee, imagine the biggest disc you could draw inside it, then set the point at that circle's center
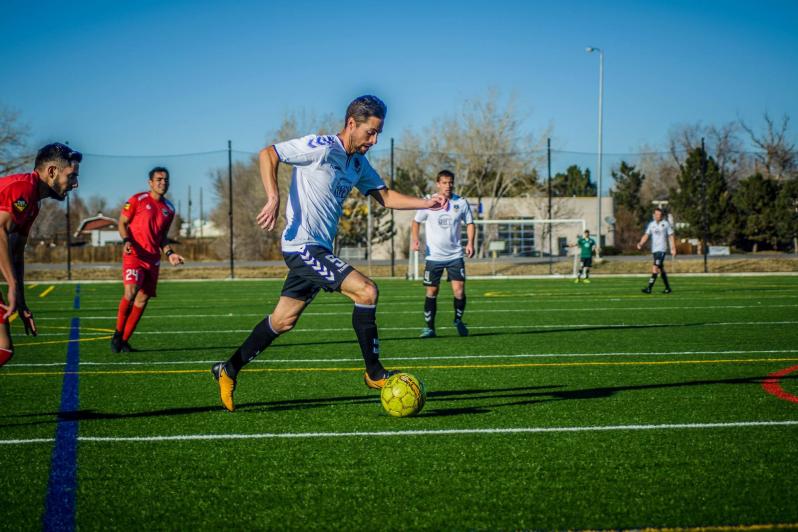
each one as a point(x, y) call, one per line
point(369, 294)
point(282, 325)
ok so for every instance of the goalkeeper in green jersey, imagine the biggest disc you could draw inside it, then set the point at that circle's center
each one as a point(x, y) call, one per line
point(586, 246)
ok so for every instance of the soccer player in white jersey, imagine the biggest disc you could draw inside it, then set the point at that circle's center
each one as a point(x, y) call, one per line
point(661, 234)
point(444, 251)
point(326, 168)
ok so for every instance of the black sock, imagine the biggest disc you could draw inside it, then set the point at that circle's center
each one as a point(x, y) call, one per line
point(652, 280)
point(587, 273)
point(364, 321)
point(459, 308)
point(430, 309)
point(665, 280)
point(259, 339)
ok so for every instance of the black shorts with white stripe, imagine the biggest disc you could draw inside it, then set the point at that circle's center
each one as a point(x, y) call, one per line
point(313, 269)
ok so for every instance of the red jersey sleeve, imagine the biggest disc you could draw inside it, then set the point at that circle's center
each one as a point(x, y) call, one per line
point(129, 208)
point(18, 200)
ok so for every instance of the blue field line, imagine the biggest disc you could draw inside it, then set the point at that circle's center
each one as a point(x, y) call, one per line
point(59, 507)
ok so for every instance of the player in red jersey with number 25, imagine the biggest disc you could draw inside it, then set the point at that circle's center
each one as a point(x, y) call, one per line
point(143, 225)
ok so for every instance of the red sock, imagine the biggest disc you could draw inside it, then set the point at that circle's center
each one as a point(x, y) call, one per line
point(121, 314)
point(132, 321)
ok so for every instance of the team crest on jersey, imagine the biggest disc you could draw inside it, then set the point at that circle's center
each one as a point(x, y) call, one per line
point(165, 211)
point(20, 205)
point(456, 207)
point(149, 207)
point(357, 165)
point(126, 207)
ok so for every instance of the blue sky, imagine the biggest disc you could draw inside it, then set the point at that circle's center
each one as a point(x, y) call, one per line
point(153, 78)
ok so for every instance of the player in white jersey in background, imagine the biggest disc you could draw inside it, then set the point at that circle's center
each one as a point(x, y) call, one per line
point(661, 234)
point(326, 168)
point(444, 251)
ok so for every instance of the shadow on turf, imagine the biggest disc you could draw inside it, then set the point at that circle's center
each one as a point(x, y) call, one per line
point(525, 395)
point(349, 341)
point(541, 394)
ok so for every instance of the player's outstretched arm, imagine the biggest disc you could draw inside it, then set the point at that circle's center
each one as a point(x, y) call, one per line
point(268, 162)
point(392, 199)
point(6, 266)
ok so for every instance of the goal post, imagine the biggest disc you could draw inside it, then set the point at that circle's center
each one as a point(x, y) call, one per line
point(518, 240)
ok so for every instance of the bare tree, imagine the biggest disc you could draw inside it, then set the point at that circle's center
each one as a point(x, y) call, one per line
point(14, 153)
point(722, 143)
point(778, 159)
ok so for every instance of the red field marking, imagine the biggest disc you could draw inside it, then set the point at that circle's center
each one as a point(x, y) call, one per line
point(772, 384)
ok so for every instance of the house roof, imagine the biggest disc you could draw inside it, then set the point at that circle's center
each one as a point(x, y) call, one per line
point(95, 223)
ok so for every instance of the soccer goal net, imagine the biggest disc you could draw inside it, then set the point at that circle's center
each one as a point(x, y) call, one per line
point(517, 247)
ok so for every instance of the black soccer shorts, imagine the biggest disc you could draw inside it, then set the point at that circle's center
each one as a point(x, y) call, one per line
point(433, 270)
point(313, 269)
point(659, 259)
point(587, 262)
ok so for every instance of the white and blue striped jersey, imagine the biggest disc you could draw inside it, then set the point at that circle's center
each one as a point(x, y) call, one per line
point(322, 178)
point(659, 233)
point(442, 229)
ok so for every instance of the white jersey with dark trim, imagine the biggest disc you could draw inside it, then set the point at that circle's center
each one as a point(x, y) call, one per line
point(442, 229)
point(659, 232)
point(322, 178)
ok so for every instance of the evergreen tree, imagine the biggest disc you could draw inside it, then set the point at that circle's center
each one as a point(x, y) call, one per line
point(630, 213)
point(686, 200)
point(787, 213)
point(574, 182)
point(755, 210)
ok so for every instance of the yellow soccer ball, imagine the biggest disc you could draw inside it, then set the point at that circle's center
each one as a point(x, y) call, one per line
point(403, 395)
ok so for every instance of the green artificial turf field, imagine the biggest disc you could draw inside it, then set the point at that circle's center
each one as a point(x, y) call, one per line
point(568, 406)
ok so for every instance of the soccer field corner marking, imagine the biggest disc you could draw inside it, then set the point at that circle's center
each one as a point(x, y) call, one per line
point(772, 384)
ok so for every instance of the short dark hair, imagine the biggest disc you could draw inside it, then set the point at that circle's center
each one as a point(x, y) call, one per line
point(58, 153)
point(159, 169)
point(587, 231)
point(659, 209)
point(364, 107)
point(444, 173)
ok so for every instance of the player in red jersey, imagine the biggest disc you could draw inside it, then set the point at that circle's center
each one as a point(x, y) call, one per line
point(55, 173)
point(143, 225)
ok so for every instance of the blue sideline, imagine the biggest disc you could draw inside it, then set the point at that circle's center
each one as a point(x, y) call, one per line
point(59, 508)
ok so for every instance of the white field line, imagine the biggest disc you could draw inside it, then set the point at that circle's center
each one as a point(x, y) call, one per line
point(657, 309)
point(405, 433)
point(715, 275)
point(414, 358)
point(476, 327)
point(501, 297)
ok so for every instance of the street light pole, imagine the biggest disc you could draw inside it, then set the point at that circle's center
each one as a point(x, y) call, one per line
point(591, 49)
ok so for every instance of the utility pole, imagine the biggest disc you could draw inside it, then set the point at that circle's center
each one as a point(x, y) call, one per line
point(393, 228)
point(230, 207)
point(550, 228)
point(704, 213)
point(188, 230)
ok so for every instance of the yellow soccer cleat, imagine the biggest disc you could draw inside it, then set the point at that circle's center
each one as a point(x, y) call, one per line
point(586, 281)
point(226, 385)
point(379, 383)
